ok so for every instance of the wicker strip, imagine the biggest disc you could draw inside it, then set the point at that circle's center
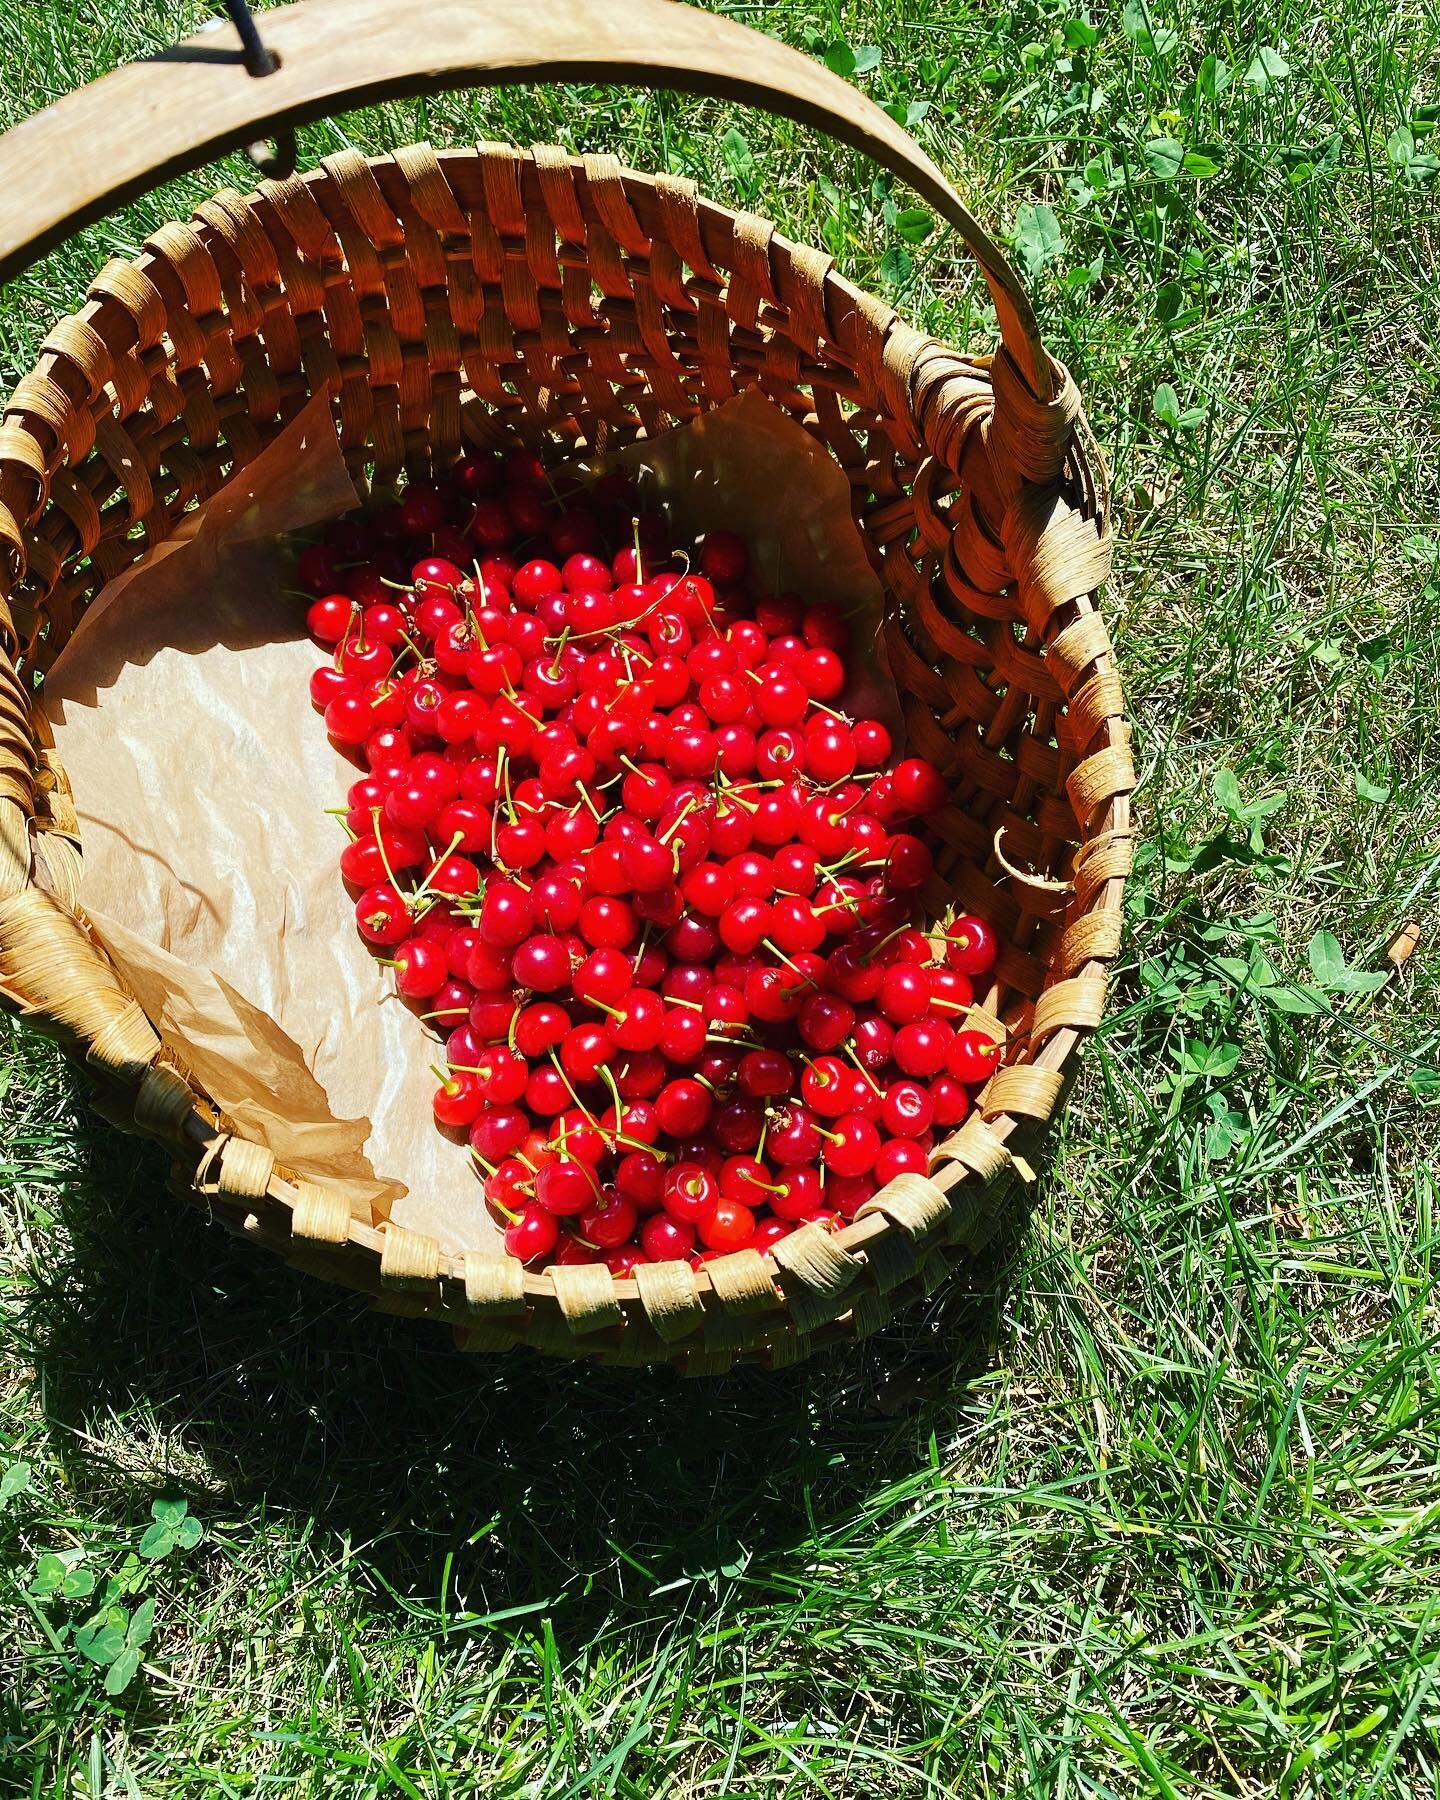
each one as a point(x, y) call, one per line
point(913, 1202)
point(494, 1285)
point(743, 1283)
point(1026, 1091)
point(1078, 1003)
point(816, 1259)
point(586, 1295)
point(320, 1214)
point(163, 1102)
point(670, 1298)
point(408, 1257)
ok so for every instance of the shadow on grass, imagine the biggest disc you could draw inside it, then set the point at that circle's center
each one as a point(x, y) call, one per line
point(535, 1478)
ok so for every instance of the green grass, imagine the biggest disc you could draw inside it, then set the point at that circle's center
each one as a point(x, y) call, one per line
point(1148, 1506)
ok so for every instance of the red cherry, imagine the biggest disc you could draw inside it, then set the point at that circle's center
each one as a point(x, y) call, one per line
point(382, 915)
point(922, 1048)
point(457, 1101)
point(420, 969)
point(900, 1156)
point(609, 1223)
point(664, 1239)
point(973, 1057)
point(727, 1226)
point(949, 1099)
point(640, 1177)
point(502, 1075)
point(683, 1107)
point(799, 1194)
point(542, 963)
point(532, 1236)
point(690, 1191)
point(907, 1110)
point(918, 787)
point(497, 1133)
point(904, 993)
point(584, 1051)
point(971, 946)
point(825, 1021)
point(566, 1188)
point(852, 1146)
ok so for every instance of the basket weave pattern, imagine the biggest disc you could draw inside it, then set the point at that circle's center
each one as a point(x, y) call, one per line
point(580, 301)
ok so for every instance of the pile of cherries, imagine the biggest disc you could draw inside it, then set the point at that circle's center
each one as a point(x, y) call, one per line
point(627, 854)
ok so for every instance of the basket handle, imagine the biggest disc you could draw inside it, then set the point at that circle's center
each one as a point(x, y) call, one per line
point(150, 120)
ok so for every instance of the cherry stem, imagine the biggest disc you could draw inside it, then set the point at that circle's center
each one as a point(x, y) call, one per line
point(424, 887)
point(678, 820)
point(854, 1056)
point(889, 938)
point(380, 846)
point(571, 1092)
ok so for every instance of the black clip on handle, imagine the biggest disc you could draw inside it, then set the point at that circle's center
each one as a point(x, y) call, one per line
point(279, 161)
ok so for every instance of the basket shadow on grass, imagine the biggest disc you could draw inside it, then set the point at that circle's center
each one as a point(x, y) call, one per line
point(257, 1385)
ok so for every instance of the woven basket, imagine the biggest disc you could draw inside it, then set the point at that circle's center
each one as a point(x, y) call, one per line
point(458, 296)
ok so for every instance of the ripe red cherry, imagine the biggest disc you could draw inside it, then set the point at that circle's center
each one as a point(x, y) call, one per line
point(457, 1101)
point(420, 969)
point(501, 1074)
point(532, 1236)
point(610, 1222)
point(683, 1107)
point(665, 1239)
point(872, 743)
point(585, 1051)
point(539, 1028)
point(852, 1146)
point(766, 1073)
point(900, 1156)
point(973, 1057)
point(798, 1194)
point(950, 1100)
point(689, 1192)
point(922, 1048)
point(830, 754)
point(496, 1134)
point(971, 946)
point(793, 1137)
point(825, 1021)
point(727, 1226)
point(640, 1177)
point(743, 924)
point(904, 993)
point(542, 963)
point(907, 1110)
point(918, 787)
point(382, 915)
point(566, 1188)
